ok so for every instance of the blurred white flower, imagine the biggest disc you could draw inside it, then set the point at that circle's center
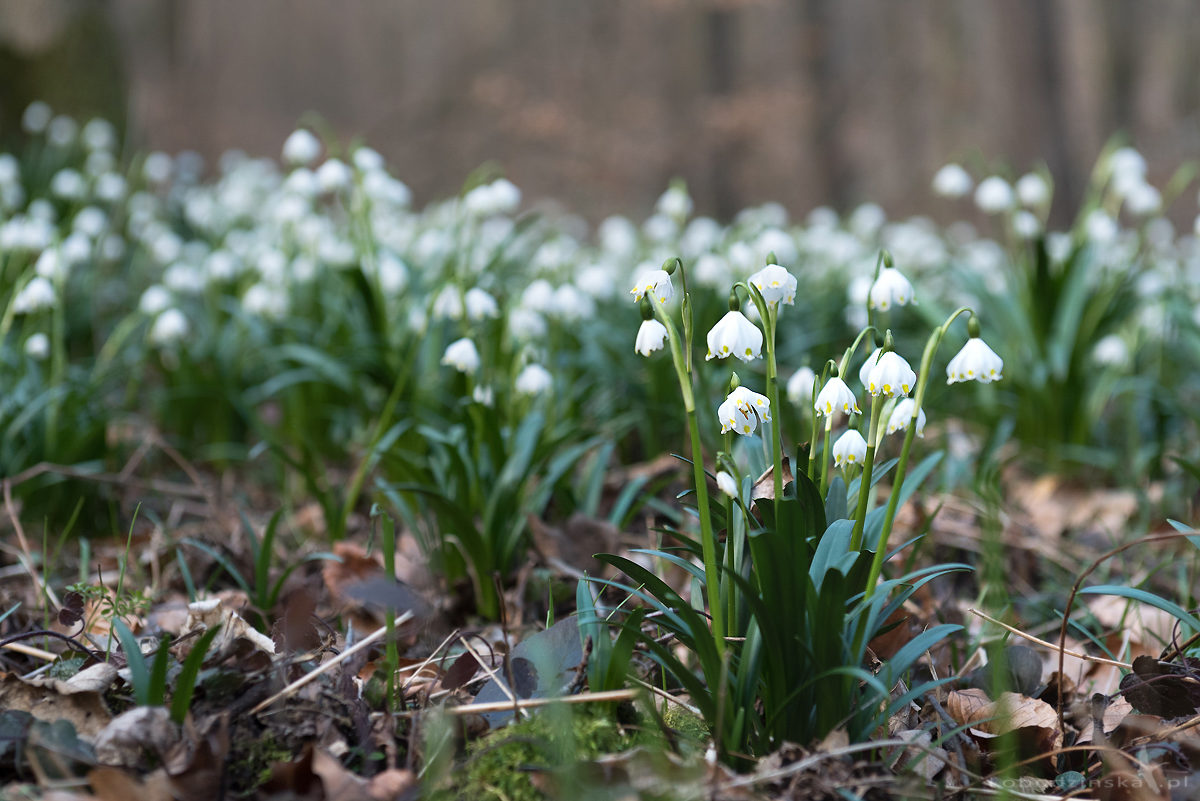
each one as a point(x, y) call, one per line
point(656, 283)
point(994, 195)
point(333, 176)
point(800, 386)
point(36, 117)
point(891, 376)
point(776, 284)
point(866, 220)
point(301, 148)
point(1126, 166)
point(1026, 225)
point(538, 296)
point(675, 202)
point(68, 184)
point(712, 271)
point(975, 362)
point(743, 410)
point(952, 181)
point(157, 167)
point(1111, 351)
point(169, 327)
point(499, 197)
point(484, 395)
point(462, 356)
point(890, 287)
point(37, 347)
point(62, 131)
point(99, 134)
point(618, 236)
point(660, 228)
point(1101, 228)
point(36, 295)
point(901, 416)
point(650, 337)
point(836, 397)
point(526, 324)
point(572, 304)
point(155, 299)
point(367, 160)
point(533, 380)
point(393, 274)
point(264, 300)
point(727, 484)
point(1032, 190)
point(849, 449)
point(480, 304)
point(1142, 200)
point(734, 335)
point(50, 264)
point(448, 305)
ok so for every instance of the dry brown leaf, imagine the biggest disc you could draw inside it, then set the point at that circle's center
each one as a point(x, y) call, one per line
point(1115, 713)
point(391, 784)
point(52, 699)
point(764, 485)
point(927, 761)
point(115, 784)
point(1147, 629)
point(339, 783)
point(1125, 785)
point(203, 615)
point(130, 736)
point(964, 705)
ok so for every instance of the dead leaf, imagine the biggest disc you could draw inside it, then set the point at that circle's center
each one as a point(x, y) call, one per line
point(926, 761)
point(130, 736)
point(52, 699)
point(202, 615)
point(391, 784)
point(339, 783)
point(764, 485)
point(964, 705)
point(115, 784)
point(1167, 690)
point(576, 542)
point(1115, 713)
point(1125, 785)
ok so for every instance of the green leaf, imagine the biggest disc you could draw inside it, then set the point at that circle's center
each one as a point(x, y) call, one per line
point(1176, 611)
point(139, 674)
point(185, 683)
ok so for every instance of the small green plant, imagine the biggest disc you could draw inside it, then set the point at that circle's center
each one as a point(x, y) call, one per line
point(149, 681)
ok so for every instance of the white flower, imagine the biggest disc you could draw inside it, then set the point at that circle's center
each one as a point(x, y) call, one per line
point(538, 296)
point(1032, 190)
point(533, 380)
point(37, 294)
point(526, 324)
point(392, 273)
point(1142, 199)
point(901, 416)
point(36, 117)
point(890, 287)
point(952, 181)
point(462, 356)
point(743, 410)
point(865, 371)
point(99, 134)
point(483, 395)
point(835, 397)
point(655, 283)
point(891, 376)
point(448, 304)
point(155, 299)
point(263, 300)
point(1111, 351)
point(975, 362)
point(1101, 228)
point(367, 160)
point(850, 448)
point(1127, 166)
point(37, 347)
point(776, 284)
point(170, 327)
point(993, 195)
point(68, 184)
point(480, 304)
point(301, 147)
point(157, 167)
point(800, 385)
point(1025, 224)
point(650, 337)
point(736, 336)
point(727, 484)
point(333, 175)
point(675, 202)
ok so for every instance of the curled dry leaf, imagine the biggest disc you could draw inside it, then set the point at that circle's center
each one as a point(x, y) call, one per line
point(1166, 690)
point(202, 615)
point(130, 736)
point(54, 699)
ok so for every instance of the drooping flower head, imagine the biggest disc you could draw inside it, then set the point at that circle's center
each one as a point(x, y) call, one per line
point(890, 287)
point(901, 416)
point(976, 361)
point(836, 397)
point(849, 449)
point(743, 410)
point(727, 484)
point(734, 335)
point(656, 284)
point(652, 335)
point(891, 376)
point(533, 380)
point(952, 181)
point(776, 285)
point(800, 385)
point(462, 355)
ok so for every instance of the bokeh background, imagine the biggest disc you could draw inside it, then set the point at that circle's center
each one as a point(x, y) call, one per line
point(599, 104)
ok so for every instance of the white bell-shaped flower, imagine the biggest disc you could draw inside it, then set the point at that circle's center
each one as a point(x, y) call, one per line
point(901, 416)
point(462, 355)
point(743, 410)
point(727, 484)
point(890, 287)
point(776, 285)
point(169, 327)
point(836, 397)
point(975, 362)
point(994, 195)
point(849, 449)
point(533, 380)
point(480, 304)
point(734, 335)
point(952, 181)
point(868, 365)
point(656, 283)
point(650, 337)
point(891, 376)
point(1032, 190)
point(800, 385)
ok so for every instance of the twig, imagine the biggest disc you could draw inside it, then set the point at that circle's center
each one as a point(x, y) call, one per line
point(1087, 658)
point(529, 703)
point(41, 588)
point(325, 667)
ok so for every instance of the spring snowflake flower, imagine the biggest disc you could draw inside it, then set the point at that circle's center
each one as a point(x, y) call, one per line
point(890, 287)
point(776, 284)
point(655, 283)
point(1032, 190)
point(333, 175)
point(1142, 199)
point(868, 365)
point(975, 362)
point(1111, 351)
point(526, 324)
point(994, 195)
point(480, 304)
point(736, 336)
point(155, 299)
point(901, 416)
point(743, 410)
point(800, 385)
point(301, 147)
point(36, 117)
point(1025, 224)
point(448, 305)
point(891, 376)
point(483, 395)
point(650, 337)
point(727, 484)
point(37, 347)
point(533, 380)
point(836, 397)
point(675, 202)
point(169, 327)
point(952, 181)
point(850, 448)
point(462, 356)
point(37, 294)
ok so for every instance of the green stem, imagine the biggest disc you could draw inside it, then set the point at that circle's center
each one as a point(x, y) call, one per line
point(864, 482)
point(931, 346)
point(776, 418)
point(826, 456)
point(707, 540)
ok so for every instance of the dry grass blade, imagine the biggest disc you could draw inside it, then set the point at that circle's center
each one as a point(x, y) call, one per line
point(1098, 659)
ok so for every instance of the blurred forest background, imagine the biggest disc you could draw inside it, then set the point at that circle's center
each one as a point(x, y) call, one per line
point(599, 103)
